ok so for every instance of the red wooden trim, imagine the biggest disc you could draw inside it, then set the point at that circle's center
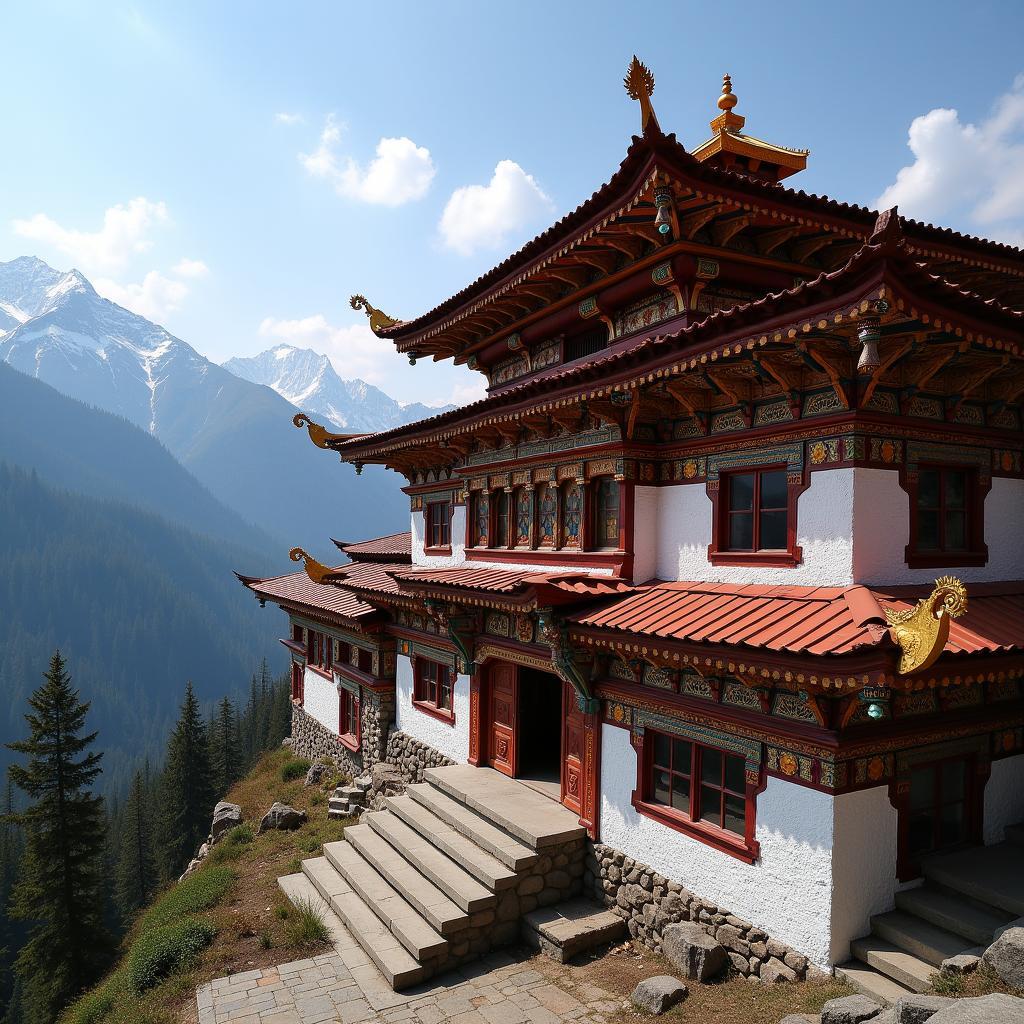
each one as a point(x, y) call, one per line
point(476, 696)
point(448, 717)
point(437, 551)
point(325, 673)
point(555, 556)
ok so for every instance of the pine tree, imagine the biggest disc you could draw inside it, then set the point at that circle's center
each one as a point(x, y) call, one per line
point(60, 885)
point(225, 754)
point(186, 789)
point(10, 936)
point(136, 865)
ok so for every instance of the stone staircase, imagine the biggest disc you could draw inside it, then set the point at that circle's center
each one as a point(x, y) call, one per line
point(451, 869)
point(965, 899)
point(348, 800)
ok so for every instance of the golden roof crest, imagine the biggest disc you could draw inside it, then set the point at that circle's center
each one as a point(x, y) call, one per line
point(315, 570)
point(921, 632)
point(378, 321)
point(639, 83)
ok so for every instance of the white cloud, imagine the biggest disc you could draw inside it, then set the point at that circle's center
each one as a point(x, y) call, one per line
point(190, 268)
point(970, 175)
point(484, 216)
point(285, 118)
point(400, 172)
point(125, 233)
point(154, 297)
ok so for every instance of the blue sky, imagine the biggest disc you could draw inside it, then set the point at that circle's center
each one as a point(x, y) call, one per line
point(213, 165)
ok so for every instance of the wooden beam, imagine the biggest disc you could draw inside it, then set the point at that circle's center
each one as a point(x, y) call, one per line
point(725, 229)
point(768, 241)
point(691, 223)
point(893, 354)
point(805, 248)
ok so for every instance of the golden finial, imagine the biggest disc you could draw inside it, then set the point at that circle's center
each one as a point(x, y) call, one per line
point(921, 632)
point(639, 83)
point(319, 435)
point(378, 321)
point(727, 100)
point(314, 569)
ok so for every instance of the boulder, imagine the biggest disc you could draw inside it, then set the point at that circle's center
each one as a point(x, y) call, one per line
point(1006, 957)
point(386, 779)
point(225, 817)
point(962, 963)
point(690, 949)
point(849, 1010)
point(916, 1009)
point(281, 816)
point(775, 971)
point(992, 1009)
point(316, 773)
point(658, 994)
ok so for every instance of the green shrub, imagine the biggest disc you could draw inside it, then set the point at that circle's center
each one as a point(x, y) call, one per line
point(306, 926)
point(294, 769)
point(166, 950)
point(94, 1006)
point(233, 845)
point(200, 891)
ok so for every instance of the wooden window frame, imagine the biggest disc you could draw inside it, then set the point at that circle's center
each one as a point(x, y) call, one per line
point(594, 486)
point(431, 706)
point(719, 552)
point(498, 496)
point(473, 517)
point(349, 703)
point(743, 847)
point(298, 683)
point(319, 653)
point(437, 525)
point(975, 492)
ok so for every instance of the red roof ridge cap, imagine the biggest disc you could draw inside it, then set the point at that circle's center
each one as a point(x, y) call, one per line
point(863, 606)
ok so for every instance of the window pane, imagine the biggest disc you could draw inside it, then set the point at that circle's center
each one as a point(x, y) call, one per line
point(710, 805)
point(956, 487)
point(956, 531)
point(741, 492)
point(774, 489)
point(773, 531)
point(662, 790)
point(928, 488)
point(919, 832)
point(735, 815)
point(711, 766)
point(662, 745)
point(681, 756)
point(735, 777)
point(681, 794)
point(953, 780)
point(928, 530)
point(922, 788)
point(951, 825)
point(741, 532)
point(445, 698)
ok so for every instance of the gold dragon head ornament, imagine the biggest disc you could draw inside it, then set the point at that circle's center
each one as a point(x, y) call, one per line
point(315, 570)
point(921, 632)
point(378, 321)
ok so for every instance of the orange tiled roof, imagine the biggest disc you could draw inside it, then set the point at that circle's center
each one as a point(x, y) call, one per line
point(803, 620)
point(395, 547)
point(508, 581)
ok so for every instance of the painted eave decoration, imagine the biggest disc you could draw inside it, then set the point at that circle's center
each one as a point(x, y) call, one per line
point(921, 632)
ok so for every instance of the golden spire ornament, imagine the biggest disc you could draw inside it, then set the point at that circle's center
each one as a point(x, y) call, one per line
point(727, 120)
point(315, 570)
point(639, 83)
point(378, 321)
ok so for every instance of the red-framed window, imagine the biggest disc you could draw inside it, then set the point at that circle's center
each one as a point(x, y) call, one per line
point(502, 515)
point(439, 524)
point(433, 688)
point(698, 789)
point(298, 683)
point(319, 650)
point(480, 520)
point(348, 717)
point(296, 633)
point(943, 509)
point(756, 510)
point(365, 661)
point(606, 512)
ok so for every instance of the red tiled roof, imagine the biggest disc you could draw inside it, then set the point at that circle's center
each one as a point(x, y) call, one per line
point(395, 547)
point(509, 581)
point(296, 588)
point(641, 151)
point(803, 620)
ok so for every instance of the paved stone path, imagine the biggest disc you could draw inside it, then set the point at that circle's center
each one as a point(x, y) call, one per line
point(345, 986)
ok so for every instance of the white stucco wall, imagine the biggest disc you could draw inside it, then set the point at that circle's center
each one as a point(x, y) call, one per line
point(458, 555)
point(645, 533)
point(320, 699)
point(452, 740)
point(863, 864)
point(882, 532)
point(788, 892)
point(824, 531)
point(1004, 797)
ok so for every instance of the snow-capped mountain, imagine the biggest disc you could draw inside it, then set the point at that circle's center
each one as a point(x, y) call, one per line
point(309, 381)
point(232, 434)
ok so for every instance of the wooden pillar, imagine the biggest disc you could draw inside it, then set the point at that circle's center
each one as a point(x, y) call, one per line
point(590, 810)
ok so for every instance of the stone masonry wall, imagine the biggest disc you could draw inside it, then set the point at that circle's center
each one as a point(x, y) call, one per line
point(312, 740)
point(377, 716)
point(648, 901)
point(411, 757)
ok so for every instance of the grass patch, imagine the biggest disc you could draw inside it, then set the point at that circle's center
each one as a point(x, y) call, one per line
point(982, 982)
point(306, 927)
point(168, 950)
point(200, 891)
point(94, 1006)
point(233, 845)
point(294, 769)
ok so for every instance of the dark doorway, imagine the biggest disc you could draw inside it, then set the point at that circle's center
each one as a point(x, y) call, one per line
point(540, 730)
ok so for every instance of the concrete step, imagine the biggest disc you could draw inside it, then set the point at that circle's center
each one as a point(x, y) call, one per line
point(922, 939)
point(464, 890)
point(298, 888)
point(1015, 834)
point(872, 983)
point(349, 793)
point(488, 836)
point(895, 963)
point(953, 912)
point(397, 914)
point(988, 874)
point(430, 902)
point(568, 929)
point(479, 863)
point(381, 946)
point(527, 815)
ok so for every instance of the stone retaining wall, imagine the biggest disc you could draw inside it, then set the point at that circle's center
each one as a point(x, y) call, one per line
point(412, 757)
point(648, 901)
point(314, 741)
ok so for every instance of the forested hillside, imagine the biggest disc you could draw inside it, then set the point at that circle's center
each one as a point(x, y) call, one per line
point(138, 604)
